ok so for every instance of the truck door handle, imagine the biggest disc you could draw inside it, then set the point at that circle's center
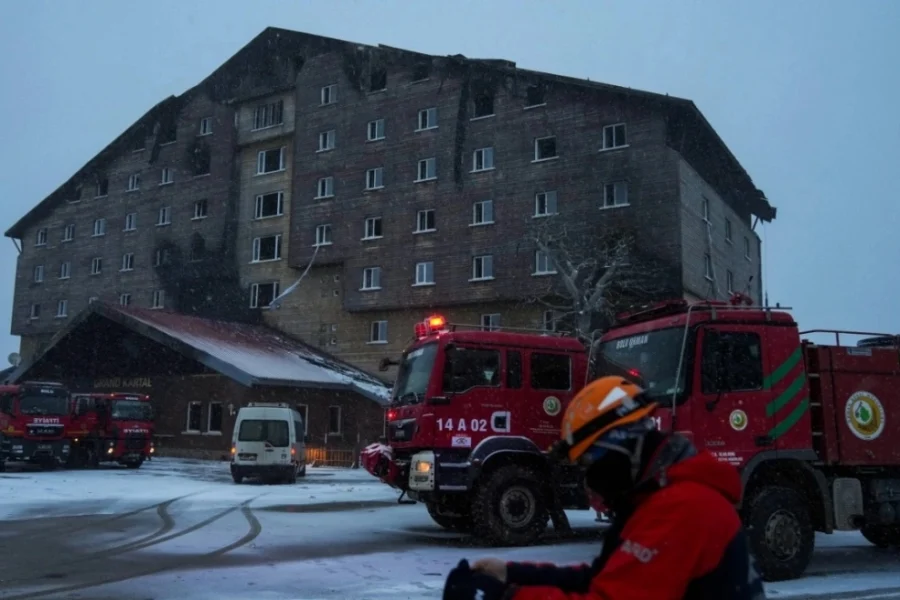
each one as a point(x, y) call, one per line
point(270, 449)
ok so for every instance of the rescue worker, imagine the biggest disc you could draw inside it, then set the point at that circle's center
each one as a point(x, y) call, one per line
point(675, 532)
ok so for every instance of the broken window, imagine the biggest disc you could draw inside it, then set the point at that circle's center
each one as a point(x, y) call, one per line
point(545, 148)
point(162, 257)
point(262, 294)
point(201, 158)
point(378, 79)
point(421, 71)
point(534, 95)
point(168, 132)
point(198, 247)
point(484, 102)
point(102, 188)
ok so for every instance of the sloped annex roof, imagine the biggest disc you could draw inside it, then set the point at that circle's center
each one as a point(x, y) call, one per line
point(252, 355)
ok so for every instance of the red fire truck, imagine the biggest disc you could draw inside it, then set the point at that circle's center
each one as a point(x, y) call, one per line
point(34, 416)
point(813, 428)
point(116, 427)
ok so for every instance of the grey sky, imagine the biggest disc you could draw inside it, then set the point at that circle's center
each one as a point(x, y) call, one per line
point(804, 93)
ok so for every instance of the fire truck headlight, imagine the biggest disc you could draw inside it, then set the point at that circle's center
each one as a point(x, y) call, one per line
point(109, 450)
point(423, 467)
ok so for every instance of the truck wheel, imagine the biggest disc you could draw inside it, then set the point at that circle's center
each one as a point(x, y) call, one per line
point(509, 507)
point(882, 536)
point(461, 523)
point(781, 533)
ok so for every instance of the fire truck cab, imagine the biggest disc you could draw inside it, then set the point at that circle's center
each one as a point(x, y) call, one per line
point(114, 427)
point(34, 416)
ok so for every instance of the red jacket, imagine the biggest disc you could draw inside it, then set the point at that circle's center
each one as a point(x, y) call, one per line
point(682, 541)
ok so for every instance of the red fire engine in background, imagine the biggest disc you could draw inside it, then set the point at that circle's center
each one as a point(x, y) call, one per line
point(813, 428)
point(34, 418)
point(115, 427)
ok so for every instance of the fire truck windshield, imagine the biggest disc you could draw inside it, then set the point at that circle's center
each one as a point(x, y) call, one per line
point(413, 375)
point(44, 405)
point(654, 355)
point(131, 410)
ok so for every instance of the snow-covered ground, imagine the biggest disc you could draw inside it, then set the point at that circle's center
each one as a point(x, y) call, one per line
point(190, 533)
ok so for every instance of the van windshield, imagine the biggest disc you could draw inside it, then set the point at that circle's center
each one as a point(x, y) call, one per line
point(276, 433)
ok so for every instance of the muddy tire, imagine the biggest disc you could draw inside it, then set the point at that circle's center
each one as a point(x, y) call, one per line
point(781, 533)
point(509, 507)
point(462, 522)
point(881, 536)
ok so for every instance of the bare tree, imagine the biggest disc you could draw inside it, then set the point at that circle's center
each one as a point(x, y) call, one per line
point(596, 273)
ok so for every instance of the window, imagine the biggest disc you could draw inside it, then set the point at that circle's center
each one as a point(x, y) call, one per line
point(325, 187)
point(704, 209)
point(328, 95)
point(484, 103)
point(102, 189)
point(62, 309)
point(467, 368)
point(166, 176)
point(162, 257)
point(96, 265)
point(194, 413)
point(378, 332)
point(421, 72)
point(483, 159)
point(334, 420)
point(99, 227)
point(198, 247)
point(326, 140)
point(548, 321)
point(425, 221)
point(323, 235)
point(134, 183)
point(542, 264)
point(304, 414)
point(268, 115)
point(130, 221)
point(375, 178)
point(614, 136)
point(514, 369)
point(65, 270)
point(201, 208)
point(35, 311)
point(732, 362)
point(729, 281)
point(269, 205)
point(375, 130)
point(262, 294)
point(728, 231)
point(427, 119)
point(746, 247)
point(545, 148)
point(707, 266)
point(372, 228)
point(490, 322)
point(164, 217)
point(125, 299)
point(270, 161)
point(534, 96)
point(214, 418)
point(128, 261)
point(482, 267)
point(200, 160)
point(206, 126)
point(371, 279)
point(377, 79)
point(267, 248)
point(550, 371)
point(615, 194)
point(483, 212)
point(40, 238)
point(425, 273)
point(427, 169)
point(545, 204)
point(39, 274)
point(159, 299)
point(68, 233)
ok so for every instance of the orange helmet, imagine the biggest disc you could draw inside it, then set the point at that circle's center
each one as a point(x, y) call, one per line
point(601, 407)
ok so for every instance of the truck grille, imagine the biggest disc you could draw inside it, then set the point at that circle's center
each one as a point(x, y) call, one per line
point(135, 442)
point(401, 431)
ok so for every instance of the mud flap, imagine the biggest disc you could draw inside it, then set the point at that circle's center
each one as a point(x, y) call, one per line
point(400, 500)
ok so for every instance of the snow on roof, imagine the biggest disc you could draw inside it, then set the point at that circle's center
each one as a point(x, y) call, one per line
point(262, 353)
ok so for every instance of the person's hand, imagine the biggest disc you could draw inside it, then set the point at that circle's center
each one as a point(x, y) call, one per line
point(464, 584)
point(494, 567)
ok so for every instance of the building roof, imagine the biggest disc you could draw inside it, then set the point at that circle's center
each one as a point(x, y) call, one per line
point(274, 39)
point(253, 355)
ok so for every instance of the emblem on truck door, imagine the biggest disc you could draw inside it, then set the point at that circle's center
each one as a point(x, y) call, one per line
point(864, 414)
point(738, 420)
point(552, 405)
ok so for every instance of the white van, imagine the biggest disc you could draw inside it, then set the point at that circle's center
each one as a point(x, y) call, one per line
point(268, 443)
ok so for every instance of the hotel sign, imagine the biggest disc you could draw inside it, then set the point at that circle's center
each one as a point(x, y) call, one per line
point(122, 383)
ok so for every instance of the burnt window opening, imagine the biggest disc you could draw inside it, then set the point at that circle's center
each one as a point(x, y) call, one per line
point(168, 132)
point(484, 102)
point(198, 247)
point(200, 160)
point(262, 294)
point(378, 79)
point(162, 257)
point(534, 96)
point(102, 188)
point(421, 71)
point(139, 142)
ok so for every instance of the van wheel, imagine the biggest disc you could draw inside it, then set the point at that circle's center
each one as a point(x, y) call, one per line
point(302, 472)
point(237, 478)
point(292, 476)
